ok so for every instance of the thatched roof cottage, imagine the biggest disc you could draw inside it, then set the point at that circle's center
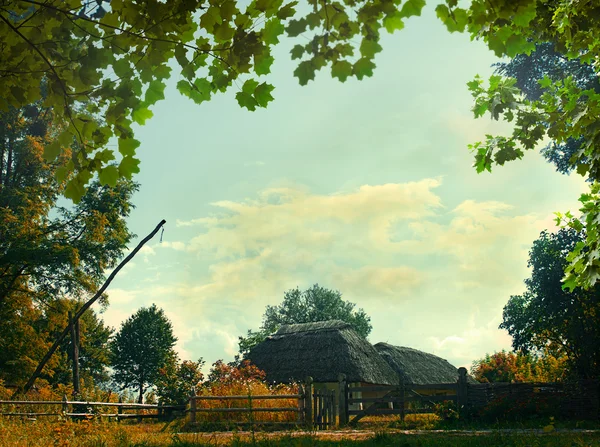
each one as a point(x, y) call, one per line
point(321, 350)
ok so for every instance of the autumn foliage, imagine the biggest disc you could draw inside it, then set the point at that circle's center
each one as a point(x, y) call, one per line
point(517, 367)
point(243, 380)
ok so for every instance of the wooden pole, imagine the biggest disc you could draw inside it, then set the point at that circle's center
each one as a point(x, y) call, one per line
point(65, 405)
point(402, 398)
point(462, 391)
point(74, 326)
point(308, 390)
point(342, 396)
point(119, 408)
point(192, 408)
point(301, 401)
point(85, 307)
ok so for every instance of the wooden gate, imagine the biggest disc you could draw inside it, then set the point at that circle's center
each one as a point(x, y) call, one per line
point(395, 400)
point(324, 409)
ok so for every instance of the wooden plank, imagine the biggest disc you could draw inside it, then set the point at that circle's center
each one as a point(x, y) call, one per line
point(375, 411)
point(433, 398)
point(281, 396)
point(435, 386)
point(90, 404)
point(375, 399)
point(30, 414)
point(244, 410)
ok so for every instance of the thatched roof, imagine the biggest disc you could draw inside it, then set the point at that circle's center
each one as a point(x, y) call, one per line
point(418, 367)
point(321, 350)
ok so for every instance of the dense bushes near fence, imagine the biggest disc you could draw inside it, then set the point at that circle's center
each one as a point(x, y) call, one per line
point(44, 392)
point(244, 380)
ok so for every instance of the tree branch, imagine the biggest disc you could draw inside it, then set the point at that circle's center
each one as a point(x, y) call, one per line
point(85, 307)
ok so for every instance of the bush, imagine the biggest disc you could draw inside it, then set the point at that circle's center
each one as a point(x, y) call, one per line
point(520, 408)
point(446, 411)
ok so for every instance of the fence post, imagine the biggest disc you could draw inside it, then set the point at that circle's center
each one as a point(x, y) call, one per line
point(343, 416)
point(402, 399)
point(192, 406)
point(160, 411)
point(462, 391)
point(65, 405)
point(308, 404)
point(301, 402)
point(119, 409)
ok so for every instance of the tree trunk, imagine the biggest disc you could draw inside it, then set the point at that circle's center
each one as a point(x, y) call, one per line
point(141, 396)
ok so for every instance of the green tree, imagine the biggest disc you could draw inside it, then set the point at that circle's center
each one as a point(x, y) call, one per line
point(50, 256)
point(547, 318)
point(94, 352)
point(530, 69)
point(142, 347)
point(313, 304)
point(177, 379)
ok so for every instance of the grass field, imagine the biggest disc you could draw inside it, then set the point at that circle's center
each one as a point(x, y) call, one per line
point(17, 433)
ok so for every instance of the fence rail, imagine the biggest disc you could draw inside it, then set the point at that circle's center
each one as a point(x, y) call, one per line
point(69, 405)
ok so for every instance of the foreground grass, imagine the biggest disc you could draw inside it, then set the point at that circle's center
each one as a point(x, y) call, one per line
point(16, 433)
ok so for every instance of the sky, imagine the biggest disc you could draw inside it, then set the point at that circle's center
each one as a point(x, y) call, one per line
point(366, 187)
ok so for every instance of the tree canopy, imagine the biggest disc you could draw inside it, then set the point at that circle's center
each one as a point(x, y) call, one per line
point(311, 305)
point(530, 69)
point(547, 318)
point(51, 256)
point(142, 349)
point(112, 60)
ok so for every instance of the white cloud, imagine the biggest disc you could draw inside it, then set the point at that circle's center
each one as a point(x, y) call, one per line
point(392, 246)
point(175, 245)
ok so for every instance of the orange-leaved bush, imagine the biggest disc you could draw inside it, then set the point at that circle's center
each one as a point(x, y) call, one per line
point(248, 381)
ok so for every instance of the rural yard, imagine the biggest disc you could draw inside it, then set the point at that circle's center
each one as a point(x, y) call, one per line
point(300, 223)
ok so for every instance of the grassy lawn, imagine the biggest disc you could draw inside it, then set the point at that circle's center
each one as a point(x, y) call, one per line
point(16, 433)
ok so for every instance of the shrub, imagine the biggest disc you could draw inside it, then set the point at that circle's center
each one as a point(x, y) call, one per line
point(446, 411)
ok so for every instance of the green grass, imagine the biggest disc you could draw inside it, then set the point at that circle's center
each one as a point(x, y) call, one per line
point(383, 439)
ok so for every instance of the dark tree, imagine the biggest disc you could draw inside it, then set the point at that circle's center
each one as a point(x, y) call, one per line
point(547, 318)
point(308, 306)
point(51, 255)
point(546, 61)
point(142, 347)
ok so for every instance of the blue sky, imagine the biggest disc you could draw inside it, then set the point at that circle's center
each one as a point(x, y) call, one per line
point(366, 187)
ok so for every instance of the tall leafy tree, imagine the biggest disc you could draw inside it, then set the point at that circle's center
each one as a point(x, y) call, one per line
point(142, 348)
point(311, 305)
point(177, 379)
point(45, 249)
point(548, 318)
point(50, 256)
point(545, 61)
point(94, 352)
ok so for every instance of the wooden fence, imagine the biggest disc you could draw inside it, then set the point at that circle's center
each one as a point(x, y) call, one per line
point(82, 409)
point(577, 399)
point(319, 409)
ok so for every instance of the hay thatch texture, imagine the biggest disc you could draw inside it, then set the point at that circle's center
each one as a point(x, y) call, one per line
point(418, 367)
point(321, 350)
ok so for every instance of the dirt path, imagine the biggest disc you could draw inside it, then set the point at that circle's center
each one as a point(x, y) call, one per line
point(338, 435)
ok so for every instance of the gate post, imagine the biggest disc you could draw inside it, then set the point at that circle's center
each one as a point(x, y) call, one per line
point(403, 399)
point(342, 400)
point(308, 403)
point(192, 408)
point(462, 397)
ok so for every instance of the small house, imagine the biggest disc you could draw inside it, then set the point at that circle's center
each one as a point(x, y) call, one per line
point(322, 351)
